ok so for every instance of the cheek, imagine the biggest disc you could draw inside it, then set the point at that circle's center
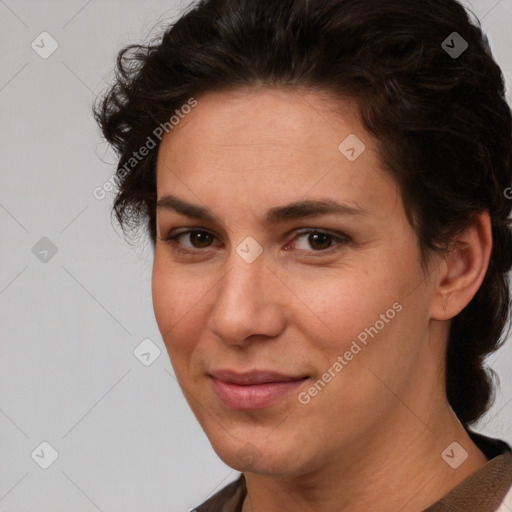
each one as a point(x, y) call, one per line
point(165, 306)
point(176, 303)
point(335, 307)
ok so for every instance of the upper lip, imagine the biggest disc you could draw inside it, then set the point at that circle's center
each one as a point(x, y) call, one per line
point(253, 377)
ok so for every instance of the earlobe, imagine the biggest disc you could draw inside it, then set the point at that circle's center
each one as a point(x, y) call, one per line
point(463, 268)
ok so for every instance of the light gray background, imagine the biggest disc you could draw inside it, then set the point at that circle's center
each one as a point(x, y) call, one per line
point(125, 437)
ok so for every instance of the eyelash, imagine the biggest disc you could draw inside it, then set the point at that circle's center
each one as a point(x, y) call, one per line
point(171, 240)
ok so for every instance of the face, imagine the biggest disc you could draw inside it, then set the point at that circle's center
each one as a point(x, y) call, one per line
point(291, 296)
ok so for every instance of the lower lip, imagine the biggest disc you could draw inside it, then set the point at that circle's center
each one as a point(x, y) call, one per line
point(256, 396)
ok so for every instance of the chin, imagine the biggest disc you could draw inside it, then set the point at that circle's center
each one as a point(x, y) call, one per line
point(268, 456)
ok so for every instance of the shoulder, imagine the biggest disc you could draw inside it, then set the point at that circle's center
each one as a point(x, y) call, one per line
point(506, 505)
point(228, 499)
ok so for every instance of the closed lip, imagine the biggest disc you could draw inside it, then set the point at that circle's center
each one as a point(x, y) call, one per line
point(253, 377)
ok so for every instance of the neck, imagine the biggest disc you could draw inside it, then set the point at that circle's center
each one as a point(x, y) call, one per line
point(398, 468)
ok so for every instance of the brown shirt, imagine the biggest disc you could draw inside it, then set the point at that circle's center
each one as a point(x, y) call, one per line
point(483, 491)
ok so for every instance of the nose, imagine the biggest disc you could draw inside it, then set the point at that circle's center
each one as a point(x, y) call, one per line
point(248, 304)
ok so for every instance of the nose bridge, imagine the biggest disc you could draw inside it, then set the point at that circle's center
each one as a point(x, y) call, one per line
point(243, 283)
point(243, 305)
point(247, 268)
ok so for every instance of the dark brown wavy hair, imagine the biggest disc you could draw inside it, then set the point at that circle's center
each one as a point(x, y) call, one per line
point(442, 122)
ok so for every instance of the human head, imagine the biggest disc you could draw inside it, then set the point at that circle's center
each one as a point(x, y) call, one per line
point(443, 125)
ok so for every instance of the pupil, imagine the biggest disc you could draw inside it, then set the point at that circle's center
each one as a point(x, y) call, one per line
point(201, 238)
point(315, 240)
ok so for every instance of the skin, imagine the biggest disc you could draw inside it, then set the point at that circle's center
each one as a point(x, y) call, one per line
point(375, 433)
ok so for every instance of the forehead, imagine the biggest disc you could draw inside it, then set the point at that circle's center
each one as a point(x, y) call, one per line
point(266, 122)
point(265, 144)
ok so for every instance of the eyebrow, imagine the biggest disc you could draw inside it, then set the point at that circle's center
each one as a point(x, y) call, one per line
point(275, 215)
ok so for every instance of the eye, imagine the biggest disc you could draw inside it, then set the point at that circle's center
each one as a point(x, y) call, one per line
point(198, 239)
point(320, 241)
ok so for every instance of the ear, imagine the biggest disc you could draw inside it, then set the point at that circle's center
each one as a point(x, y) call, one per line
point(463, 269)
